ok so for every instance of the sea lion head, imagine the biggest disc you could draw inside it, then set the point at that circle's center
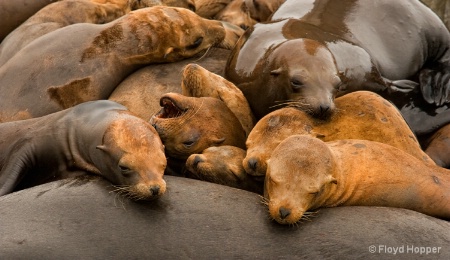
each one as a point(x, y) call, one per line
point(222, 165)
point(236, 13)
point(132, 157)
point(302, 73)
point(261, 10)
point(268, 132)
point(184, 34)
point(188, 125)
point(298, 179)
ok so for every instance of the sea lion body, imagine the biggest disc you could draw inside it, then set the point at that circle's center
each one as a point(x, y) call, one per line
point(410, 42)
point(99, 137)
point(359, 115)
point(58, 15)
point(14, 13)
point(437, 146)
point(305, 173)
point(186, 221)
point(101, 57)
point(141, 91)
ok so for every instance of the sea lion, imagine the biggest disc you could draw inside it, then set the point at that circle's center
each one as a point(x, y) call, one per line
point(261, 10)
point(58, 15)
point(99, 137)
point(101, 56)
point(200, 82)
point(222, 165)
point(236, 13)
point(437, 146)
point(196, 219)
point(359, 115)
point(141, 91)
point(305, 173)
point(209, 8)
point(336, 54)
point(14, 13)
point(189, 125)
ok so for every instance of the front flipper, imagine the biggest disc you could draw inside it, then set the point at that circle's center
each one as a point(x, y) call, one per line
point(435, 85)
point(16, 167)
point(404, 86)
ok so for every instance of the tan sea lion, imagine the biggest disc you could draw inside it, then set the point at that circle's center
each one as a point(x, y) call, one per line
point(305, 173)
point(99, 137)
point(236, 13)
point(334, 51)
point(101, 56)
point(209, 8)
point(58, 15)
point(437, 146)
point(200, 82)
point(189, 125)
point(222, 165)
point(359, 115)
point(141, 91)
point(261, 10)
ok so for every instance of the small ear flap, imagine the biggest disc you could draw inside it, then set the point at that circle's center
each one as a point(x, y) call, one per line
point(219, 141)
point(276, 72)
point(102, 147)
point(168, 51)
point(333, 180)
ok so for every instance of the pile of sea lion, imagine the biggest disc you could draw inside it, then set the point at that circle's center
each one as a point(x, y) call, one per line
point(182, 129)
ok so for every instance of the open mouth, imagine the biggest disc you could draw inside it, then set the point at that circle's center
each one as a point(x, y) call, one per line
point(170, 108)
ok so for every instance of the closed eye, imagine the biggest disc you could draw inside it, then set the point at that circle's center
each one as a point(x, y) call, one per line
point(188, 144)
point(195, 45)
point(314, 193)
point(296, 85)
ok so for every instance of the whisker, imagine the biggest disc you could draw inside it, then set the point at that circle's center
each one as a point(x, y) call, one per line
point(206, 52)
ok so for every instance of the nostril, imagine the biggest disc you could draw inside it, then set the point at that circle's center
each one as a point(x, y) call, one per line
point(243, 26)
point(324, 108)
point(154, 190)
point(252, 163)
point(322, 112)
point(197, 160)
point(284, 212)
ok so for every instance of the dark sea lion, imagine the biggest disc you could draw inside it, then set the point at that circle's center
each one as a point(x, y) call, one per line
point(141, 91)
point(189, 125)
point(101, 56)
point(222, 165)
point(99, 137)
point(335, 51)
point(58, 15)
point(200, 220)
point(359, 115)
point(13, 13)
point(305, 173)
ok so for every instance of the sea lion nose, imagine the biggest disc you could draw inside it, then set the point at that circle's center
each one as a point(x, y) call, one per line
point(154, 190)
point(197, 160)
point(323, 111)
point(252, 163)
point(284, 212)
